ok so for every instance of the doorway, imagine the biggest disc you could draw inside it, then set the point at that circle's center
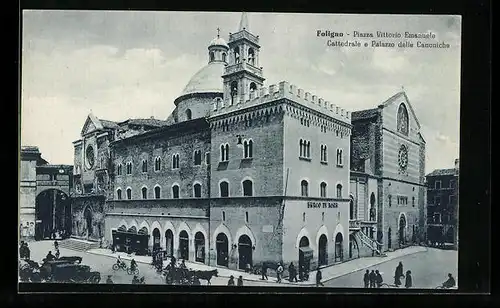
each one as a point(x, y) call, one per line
point(244, 251)
point(402, 230)
point(169, 243)
point(222, 247)
point(184, 245)
point(322, 250)
point(199, 247)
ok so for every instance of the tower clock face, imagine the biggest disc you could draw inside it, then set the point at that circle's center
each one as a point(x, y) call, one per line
point(403, 158)
point(90, 157)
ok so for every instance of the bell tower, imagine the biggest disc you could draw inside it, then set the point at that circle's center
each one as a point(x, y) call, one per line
point(242, 75)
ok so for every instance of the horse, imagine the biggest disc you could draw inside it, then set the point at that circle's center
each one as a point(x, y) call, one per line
point(206, 275)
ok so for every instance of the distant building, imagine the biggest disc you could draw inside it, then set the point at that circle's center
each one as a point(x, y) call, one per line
point(44, 195)
point(387, 188)
point(442, 205)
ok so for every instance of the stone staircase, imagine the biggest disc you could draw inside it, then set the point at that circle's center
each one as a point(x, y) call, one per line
point(78, 245)
point(370, 243)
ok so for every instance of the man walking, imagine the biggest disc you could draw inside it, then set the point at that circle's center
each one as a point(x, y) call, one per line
point(319, 276)
point(264, 271)
point(366, 278)
point(378, 279)
point(292, 273)
point(372, 279)
point(279, 271)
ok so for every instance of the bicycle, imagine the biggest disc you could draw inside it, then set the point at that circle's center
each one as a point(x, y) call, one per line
point(130, 271)
point(120, 265)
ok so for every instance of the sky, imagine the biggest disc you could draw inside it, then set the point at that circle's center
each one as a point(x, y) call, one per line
point(132, 64)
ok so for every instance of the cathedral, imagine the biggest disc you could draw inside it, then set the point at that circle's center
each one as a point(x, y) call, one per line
point(242, 173)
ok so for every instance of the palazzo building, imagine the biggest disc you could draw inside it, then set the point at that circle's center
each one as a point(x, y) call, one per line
point(387, 191)
point(442, 205)
point(240, 173)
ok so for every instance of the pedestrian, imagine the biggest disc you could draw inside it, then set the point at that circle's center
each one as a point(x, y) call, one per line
point(109, 280)
point(398, 273)
point(264, 271)
point(372, 279)
point(378, 279)
point(230, 282)
point(50, 256)
point(318, 278)
point(56, 244)
point(248, 268)
point(450, 283)
point(292, 273)
point(240, 281)
point(279, 271)
point(57, 253)
point(408, 282)
point(366, 278)
point(27, 251)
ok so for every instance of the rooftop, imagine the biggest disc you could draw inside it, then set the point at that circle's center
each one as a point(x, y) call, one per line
point(438, 172)
point(364, 114)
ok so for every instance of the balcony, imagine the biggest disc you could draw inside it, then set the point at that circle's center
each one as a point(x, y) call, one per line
point(354, 224)
point(243, 66)
point(244, 34)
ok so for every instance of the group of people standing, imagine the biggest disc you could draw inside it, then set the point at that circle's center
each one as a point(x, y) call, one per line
point(239, 283)
point(292, 273)
point(24, 251)
point(374, 278)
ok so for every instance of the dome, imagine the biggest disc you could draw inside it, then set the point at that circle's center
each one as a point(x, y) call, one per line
point(218, 41)
point(206, 80)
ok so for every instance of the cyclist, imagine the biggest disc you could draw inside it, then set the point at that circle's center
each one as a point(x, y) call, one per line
point(450, 283)
point(133, 265)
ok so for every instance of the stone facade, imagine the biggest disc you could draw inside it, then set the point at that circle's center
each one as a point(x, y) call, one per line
point(442, 205)
point(30, 159)
point(394, 155)
point(88, 213)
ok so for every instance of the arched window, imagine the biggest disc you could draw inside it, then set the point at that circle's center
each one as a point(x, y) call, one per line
point(118, 169)
point(339, 191)
point(253, 86)
point(304, 188)
point(157, 192)
point(247, 188)
point(248, 148)
point(175, 191)
point(234, 91)
point(144, 165)
point(227, 151)
point(224, 56)
point(158, 164)
point(197, 190)
point(251, 56)
point(188, 114)
point(322, 189)
point(129, 193)
point(212, 56)
point(119, 194)
point(129, 168)
point(224, 189)
point(144, 193)
point(175, 161)
point(324, 151)
point(304, 217)
point(197, 157)
point(222, 153)
point(246, 217)
point(308, 149)
point(237, 55)
point(223, 216)
point(340, 157)
point(402, 120)
point(301, 145)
